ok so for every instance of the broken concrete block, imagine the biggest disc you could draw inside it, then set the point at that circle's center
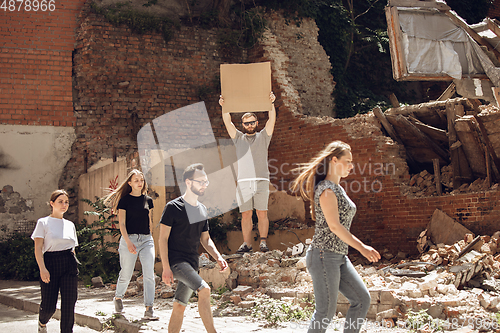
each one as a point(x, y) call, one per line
point(301, 264)
point(415, 293)
point(436, 311)
point(443, 229)
point(213, 275)
point(167, 293)
point(392, 313)
point(273, 262)
point(289, 262)
point(97, 282)
point(297, 249)
point(431, 284)
point(387, 297)
point(242, 290)
point(236, 299)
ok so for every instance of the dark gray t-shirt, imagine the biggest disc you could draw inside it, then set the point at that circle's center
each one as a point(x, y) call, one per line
point(323, 237)
point(251, 151)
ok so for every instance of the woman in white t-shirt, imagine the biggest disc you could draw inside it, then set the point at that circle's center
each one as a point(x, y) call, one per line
point(55, 242)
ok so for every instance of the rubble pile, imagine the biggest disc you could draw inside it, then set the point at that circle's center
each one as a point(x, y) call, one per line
point(455, 284)
point(423, 184)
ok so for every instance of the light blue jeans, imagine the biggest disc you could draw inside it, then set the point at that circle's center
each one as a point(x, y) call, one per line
point(333, 272)
point(146, 251)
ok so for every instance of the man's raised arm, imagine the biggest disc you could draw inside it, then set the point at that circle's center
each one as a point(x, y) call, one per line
point(272, 116)
point(226, 117)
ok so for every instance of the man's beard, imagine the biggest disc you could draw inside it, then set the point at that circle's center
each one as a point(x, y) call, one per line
point(250, 131)
point(197, 192)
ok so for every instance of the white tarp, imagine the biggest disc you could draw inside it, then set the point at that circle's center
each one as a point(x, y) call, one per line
point(434, 44)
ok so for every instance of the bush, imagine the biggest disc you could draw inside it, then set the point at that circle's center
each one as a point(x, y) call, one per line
point(98, 255)
point(18, 258)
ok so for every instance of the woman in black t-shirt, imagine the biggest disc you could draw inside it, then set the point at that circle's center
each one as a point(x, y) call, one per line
point(136, 240)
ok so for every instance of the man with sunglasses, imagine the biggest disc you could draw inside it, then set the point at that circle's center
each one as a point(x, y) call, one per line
point(253, 172)
point(183, 226)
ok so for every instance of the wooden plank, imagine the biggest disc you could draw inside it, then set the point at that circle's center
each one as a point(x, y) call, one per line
point(493, 26)
point(496, 94)
point(394, 100)
point(423, 138)
point(387, 126)
point(480, 40)
point(448, 92)
point(421, 4)
point(434, 133)
point(472, 147)
point(487, 141)
point(474, 104)
point(437, 176)
point(393, 30)
point(458, 171)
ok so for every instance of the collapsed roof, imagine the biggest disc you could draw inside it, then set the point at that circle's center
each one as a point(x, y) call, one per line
point(429, 41)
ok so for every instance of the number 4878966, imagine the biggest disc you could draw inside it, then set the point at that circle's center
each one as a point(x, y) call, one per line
point(28, 5)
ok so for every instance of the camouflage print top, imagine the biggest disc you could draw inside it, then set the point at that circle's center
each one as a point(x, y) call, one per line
point(324, 238)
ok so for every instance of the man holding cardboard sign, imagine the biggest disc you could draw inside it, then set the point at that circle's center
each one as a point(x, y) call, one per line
point(251, 146)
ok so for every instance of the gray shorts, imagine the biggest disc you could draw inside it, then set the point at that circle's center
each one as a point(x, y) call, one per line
point(252, 194)
point(188, 281)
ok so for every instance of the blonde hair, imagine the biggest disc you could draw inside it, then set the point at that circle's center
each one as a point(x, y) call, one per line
point(114, 197)
point(316, 170)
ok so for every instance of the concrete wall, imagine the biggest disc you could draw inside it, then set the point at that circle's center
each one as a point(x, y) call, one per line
point(36, 157)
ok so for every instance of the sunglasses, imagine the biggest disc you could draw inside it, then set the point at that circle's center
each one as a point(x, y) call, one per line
point(249, 123)
point(201, 182)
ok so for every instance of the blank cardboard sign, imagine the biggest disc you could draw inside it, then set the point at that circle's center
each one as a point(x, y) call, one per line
point(246, 87)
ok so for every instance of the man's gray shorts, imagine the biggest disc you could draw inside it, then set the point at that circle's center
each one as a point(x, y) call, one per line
point(252, 194)
point(188, 281)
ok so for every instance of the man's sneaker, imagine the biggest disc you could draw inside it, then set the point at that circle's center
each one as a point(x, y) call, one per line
point(263, 247)
point(148, 314)
point(118, 305)
point(42, 329)
point(244, 248)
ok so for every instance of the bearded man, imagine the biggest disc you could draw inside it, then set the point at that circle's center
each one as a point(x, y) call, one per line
point(252, 191)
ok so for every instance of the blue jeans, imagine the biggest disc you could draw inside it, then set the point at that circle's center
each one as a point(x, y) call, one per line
point(188, 281)
point(146, 251)
point(333, 272)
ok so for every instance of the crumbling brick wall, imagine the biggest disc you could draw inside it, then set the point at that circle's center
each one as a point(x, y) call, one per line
point(35, 61)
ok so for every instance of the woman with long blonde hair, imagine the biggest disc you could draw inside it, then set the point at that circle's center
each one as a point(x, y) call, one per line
point(326, 257)
point(133, 207)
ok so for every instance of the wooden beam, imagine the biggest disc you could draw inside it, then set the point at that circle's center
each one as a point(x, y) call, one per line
point(474, 104)
point(496, 94)
point(493, 26)
point(431, 131)
point(437, 175)
point(487, 141)
point(422, 137)
point(455, 149)
point(394, 100)
point(421, 4)
point(395, 43)
point(448, 92)
point(480, 40)
point(387, 126)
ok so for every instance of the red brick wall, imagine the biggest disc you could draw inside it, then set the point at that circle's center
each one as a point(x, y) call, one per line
point(35, 64)
point(494, 11)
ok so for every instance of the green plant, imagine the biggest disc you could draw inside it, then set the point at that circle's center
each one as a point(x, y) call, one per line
point(417, 320)
point(97, 249)
point(18, 258)
point(277, 311)
point(100, 313)
point(139, 22)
